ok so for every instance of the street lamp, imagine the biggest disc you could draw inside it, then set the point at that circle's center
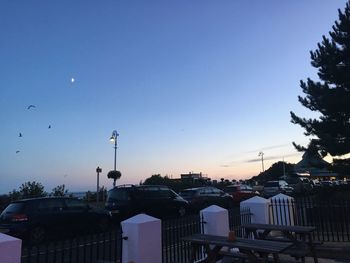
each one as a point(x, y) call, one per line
point(262, 160)
point(113, 139)
point(114, 174)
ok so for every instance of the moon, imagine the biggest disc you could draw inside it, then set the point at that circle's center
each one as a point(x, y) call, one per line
point(72, 80)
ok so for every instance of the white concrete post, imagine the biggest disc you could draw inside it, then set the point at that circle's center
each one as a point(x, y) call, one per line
point(282, 210)
point(216, 220)
point(10, 249)
point(259, 207)
point(142, 241)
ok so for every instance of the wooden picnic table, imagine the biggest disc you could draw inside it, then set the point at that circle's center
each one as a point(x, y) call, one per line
point(216, 247)
point(300, 236)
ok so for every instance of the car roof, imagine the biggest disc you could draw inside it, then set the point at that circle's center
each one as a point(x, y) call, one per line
point(43, 198)
point(198, 188)
point(132, 186)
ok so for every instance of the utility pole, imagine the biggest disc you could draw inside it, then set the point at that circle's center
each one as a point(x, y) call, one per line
point(262, 160)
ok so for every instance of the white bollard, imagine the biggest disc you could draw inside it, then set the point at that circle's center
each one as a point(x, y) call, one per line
point(216, 220)
point(142, 241)
point(259, 207)
point(10, 249)
point(282, 210)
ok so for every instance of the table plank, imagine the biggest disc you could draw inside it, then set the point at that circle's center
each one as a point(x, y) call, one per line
point(264, 246)
point(290, 228)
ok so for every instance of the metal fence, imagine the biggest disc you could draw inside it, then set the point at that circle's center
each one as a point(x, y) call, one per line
point(331, 219)
point(92, 248)
point(107, 247)
point(175, 250)
point(238, 216)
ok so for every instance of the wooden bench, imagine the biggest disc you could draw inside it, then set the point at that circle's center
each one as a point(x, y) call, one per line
point(298, 250)
point(300, 236)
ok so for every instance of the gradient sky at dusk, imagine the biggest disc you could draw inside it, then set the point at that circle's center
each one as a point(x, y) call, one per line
point(197, 86)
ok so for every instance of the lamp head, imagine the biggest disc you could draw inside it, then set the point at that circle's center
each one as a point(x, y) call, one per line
point(114, 136)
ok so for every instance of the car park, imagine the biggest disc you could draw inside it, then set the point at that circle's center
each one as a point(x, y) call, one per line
point(38, 219)
point(202, 197)
point(240, 192)
point(272, 188)
point(156, 200)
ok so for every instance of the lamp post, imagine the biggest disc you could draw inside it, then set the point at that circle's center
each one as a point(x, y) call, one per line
point(98, 171)
point(262, 160)
point(113, 139)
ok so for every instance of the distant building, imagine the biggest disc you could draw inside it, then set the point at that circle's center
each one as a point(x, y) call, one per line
point(191, 176)
point(314, 166)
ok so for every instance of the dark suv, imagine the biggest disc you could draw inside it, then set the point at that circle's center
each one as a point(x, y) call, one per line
point(202, 197)
point(36, 219)
point(159, 201)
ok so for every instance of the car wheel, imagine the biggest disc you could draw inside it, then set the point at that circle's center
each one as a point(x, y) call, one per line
point(103, 224)
point(37, 235)
point(181, 211)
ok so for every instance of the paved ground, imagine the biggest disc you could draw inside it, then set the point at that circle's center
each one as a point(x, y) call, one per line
point(329, 252)
point(288, 259)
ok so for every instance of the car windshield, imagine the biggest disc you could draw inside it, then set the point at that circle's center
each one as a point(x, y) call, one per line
point(246, 188)
point(187, 193)
point(14, 208)
point(232, 189)
point(118, 195)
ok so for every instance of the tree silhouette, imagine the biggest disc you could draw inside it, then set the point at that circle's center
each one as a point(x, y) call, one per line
point(330, 96)
point(28, 190)
point(59, 190)
point(157, 179)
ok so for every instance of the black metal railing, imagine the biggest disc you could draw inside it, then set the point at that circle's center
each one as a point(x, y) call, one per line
point(331, 219)
point(173, 230)
point(89, 248)
point(176, 250)
point(237, 217)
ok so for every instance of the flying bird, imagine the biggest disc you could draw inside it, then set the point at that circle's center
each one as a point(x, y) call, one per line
point(30, 106)
point(20, 135)
point(17, 151)
point(49, 127)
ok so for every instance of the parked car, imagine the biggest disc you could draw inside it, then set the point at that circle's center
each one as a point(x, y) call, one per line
point(155, 200)
point(37, 219)
point(240, 192)
point(272, 188)
point(202, 197)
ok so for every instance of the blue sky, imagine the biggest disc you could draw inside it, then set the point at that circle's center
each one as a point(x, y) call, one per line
point(197, 86)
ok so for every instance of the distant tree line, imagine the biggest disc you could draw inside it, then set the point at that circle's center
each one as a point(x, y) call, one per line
point(275, 172)
point(180, 184)
point(32, 189)
point(176, 185)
